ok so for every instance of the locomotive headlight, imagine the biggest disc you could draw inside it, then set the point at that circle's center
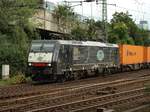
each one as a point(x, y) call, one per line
point(49, 64)
point(30, 64)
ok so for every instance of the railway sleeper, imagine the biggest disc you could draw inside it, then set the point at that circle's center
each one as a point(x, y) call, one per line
point(79, 103)
point(57, 101)
point(108, 104)
point(61, 101)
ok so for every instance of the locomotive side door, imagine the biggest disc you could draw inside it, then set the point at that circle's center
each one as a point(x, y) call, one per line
point(64, 58)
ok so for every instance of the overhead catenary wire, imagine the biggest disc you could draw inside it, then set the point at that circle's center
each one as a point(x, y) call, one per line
point(133, 10)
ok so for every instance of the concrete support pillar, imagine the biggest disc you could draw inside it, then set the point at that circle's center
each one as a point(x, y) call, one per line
point(5, 71)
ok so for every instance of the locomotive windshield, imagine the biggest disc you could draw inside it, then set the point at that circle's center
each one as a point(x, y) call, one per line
point(42, 47)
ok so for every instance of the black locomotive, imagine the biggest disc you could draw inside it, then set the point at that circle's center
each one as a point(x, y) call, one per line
point(52, 60)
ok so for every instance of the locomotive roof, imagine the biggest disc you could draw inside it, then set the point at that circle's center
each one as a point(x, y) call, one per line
point(74, 42)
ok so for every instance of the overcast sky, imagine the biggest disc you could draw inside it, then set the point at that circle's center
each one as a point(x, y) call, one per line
point(139, 9)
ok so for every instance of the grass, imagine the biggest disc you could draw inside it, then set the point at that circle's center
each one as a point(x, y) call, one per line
point(4, 82)
point(16, 79)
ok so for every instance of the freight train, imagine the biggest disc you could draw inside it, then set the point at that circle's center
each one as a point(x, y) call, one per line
point(60, 60)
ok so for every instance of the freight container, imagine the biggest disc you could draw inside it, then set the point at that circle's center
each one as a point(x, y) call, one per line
point(131, 54)
point(147, 55)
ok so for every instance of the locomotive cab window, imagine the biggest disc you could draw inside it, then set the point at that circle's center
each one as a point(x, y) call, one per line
point(45, 47)
point(36, 46)
point(48, 47)
point(41, 52)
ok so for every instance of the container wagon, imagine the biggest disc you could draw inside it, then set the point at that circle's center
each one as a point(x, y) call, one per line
point(131, 56)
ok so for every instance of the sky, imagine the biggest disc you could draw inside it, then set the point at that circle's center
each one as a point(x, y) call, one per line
point(139, 9)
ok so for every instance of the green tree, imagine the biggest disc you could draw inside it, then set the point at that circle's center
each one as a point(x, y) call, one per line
point(68, 19)
point(126, 19)
point(65, 17)
point(142, 37)
point(90, 30)
point(16, 31)
point(79, 33)
point(123, 29)
point(119, 34)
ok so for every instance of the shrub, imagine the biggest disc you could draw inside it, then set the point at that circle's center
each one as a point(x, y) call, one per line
point(17, 79)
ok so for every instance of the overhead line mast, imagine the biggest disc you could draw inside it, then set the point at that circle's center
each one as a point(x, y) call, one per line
point(104, 18)
point(104, 15)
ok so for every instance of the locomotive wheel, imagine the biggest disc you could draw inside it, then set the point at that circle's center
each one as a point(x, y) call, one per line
point(61, 79)
point(96, 72)
point(107, 71)
point(113, 70)
point(76, 76)
point(67, 75)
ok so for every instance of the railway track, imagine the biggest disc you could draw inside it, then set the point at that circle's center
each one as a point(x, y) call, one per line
point(92, 103)
point(72, 94)
point(18, 91)
point(60, 90)
point(119, 104)
point(138, 108)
